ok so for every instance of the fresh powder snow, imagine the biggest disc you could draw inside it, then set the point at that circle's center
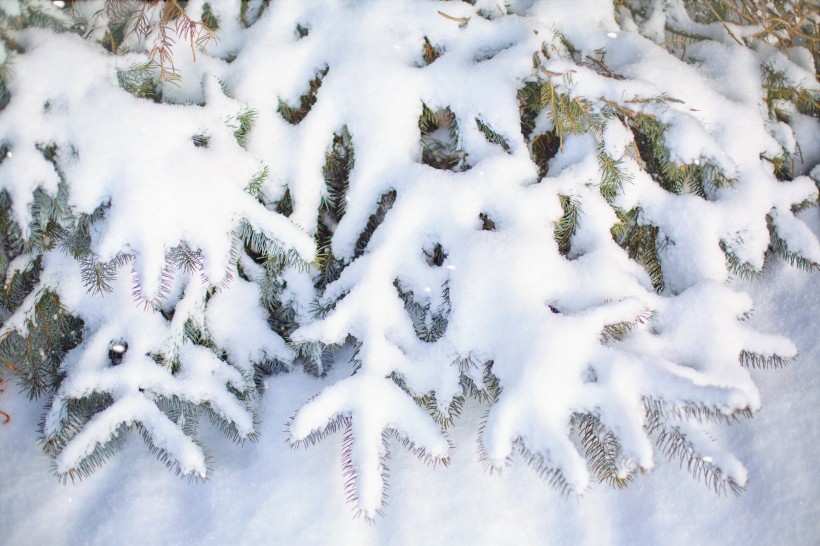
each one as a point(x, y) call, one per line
point(589, 316)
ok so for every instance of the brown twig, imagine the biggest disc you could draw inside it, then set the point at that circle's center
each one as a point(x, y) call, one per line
point(549, 72)
point(3, 413)
point(723, 23)
point(172, 20)
point(10, 366)
point(463, 20)
point(680, 41)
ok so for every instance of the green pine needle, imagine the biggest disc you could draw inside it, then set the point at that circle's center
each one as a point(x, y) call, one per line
point(566, 226)
point(295, 114)
point(246, 120)
point(492, 136)
point(255, 184)
point(641, 244)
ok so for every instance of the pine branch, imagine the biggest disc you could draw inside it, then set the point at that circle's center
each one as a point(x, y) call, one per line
point(751, 359)
point(295, 115)
point(779, 246)
point(438, 151)
point(484, 388)
point(385, 203)
point(691, 410)
point(613, 175)
point(36, 353)
point(543, 148)
point(736, 266)
point(139, 81)
point(430, 53)
point(256, 183)
point(603, 453)
point(209, 19)
point(245, 121)
point(339, 163)
point(674, 444)
point(640, 242)
point(550, 474)
point(167, 21)
point(618, 331)
point(492, 136)
point(566, 226)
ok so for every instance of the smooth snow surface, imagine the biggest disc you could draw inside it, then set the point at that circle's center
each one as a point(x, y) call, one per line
point(266, 493)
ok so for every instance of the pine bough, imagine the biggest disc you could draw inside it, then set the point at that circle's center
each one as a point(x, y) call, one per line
point(536, 206)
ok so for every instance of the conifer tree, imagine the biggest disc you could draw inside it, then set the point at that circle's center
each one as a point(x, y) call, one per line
point(538, 207)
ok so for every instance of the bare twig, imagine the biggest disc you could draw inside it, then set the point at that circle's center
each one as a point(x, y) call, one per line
point(173, 23)
point(463, 20)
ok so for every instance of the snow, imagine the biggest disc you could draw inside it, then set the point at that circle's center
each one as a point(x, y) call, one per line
point(172, 177)
point(266, 492)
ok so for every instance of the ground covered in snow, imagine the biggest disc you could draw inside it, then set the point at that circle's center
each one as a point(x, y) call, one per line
point(266, 493)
